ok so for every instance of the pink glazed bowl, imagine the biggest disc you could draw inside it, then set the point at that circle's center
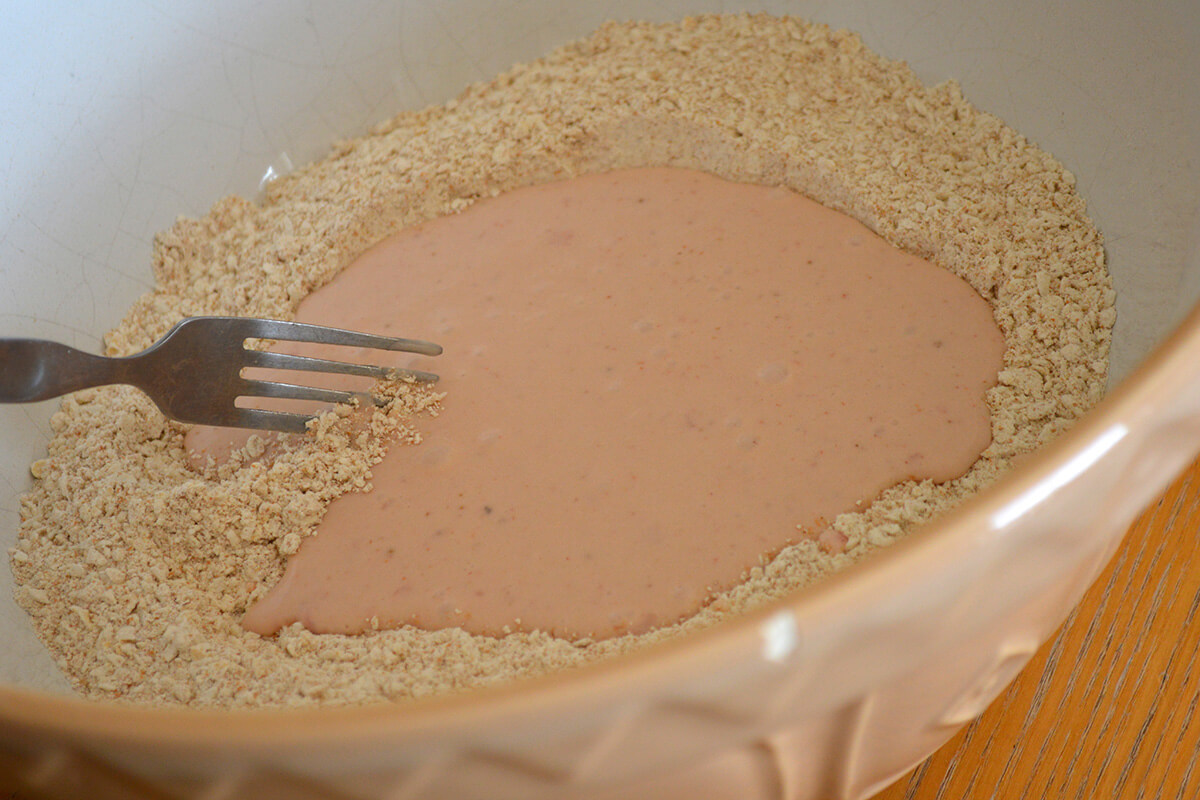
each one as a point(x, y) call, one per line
point(117, 123)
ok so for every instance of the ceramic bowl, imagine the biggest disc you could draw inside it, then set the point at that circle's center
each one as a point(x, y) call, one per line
point(120, 116)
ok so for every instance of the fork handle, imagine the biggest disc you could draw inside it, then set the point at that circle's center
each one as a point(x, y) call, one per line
point(35, 369)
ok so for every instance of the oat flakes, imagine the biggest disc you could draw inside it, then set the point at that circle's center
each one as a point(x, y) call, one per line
point(136, 568)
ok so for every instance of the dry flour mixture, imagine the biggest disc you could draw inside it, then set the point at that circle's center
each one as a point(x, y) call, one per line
point(136, 568)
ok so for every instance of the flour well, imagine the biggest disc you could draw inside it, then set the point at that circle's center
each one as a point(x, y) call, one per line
point(639, 364)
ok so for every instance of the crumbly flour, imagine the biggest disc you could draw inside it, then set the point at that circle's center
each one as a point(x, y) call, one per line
point(135, 568)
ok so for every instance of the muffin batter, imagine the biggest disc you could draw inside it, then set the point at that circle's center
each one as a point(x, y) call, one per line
point(653, 378)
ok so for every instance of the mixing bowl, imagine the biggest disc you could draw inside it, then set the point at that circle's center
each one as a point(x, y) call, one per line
point(120, 116)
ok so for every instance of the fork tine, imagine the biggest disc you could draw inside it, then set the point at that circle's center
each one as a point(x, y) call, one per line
point(281, 421)
point(288, 391)
point(272, 360)
point(319, 334)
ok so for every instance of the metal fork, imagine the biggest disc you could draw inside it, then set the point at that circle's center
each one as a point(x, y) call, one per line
point(194, 373)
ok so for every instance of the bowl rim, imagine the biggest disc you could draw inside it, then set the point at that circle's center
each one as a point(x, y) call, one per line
point(1168, 368)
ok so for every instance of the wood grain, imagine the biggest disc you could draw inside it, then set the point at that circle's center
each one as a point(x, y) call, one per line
point(1107, 709)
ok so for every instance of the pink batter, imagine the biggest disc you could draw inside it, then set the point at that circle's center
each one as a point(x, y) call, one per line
point(652, 378)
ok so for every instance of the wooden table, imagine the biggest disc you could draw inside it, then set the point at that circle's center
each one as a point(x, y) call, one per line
point(1107, 709)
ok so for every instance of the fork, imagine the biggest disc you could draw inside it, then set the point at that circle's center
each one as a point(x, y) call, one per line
point(194, 373)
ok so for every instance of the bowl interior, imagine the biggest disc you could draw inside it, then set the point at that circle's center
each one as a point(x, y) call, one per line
point(129, 117)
